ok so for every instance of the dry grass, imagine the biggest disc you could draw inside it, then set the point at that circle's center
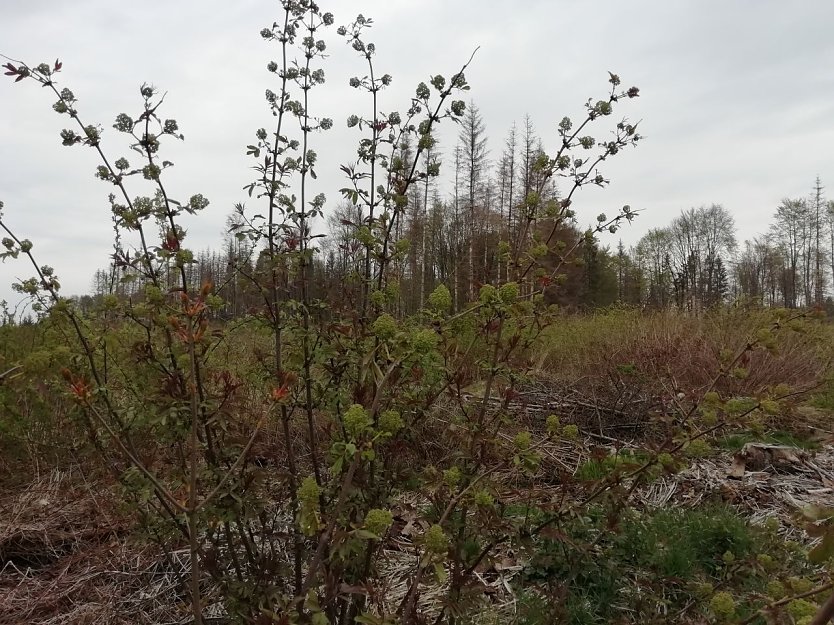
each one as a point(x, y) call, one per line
point(66, 557)
point(667, 351)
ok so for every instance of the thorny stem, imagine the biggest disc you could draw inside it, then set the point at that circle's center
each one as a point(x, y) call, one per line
point(193, 505)
point(305, 271)
point(274, 305)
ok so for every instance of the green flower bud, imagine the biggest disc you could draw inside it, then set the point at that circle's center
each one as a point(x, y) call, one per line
point(723, 605)
point(452, 476)
point(703, 589)
point(309, 491)
point(553, 424)
point(800, 584)
point(539, 251)
point(740, 373)
point(487, 294)
point(699, 448)
point(440, 299)
point(68, 137)
point(712, 398)
point(390, 422)
point(770, 407)
point(776, 589)
point(766, 561)
point(183, 258)
point(151, 172)
point(124, 123)
point(802, 608)
point(377, 299)
point(523, 440)
point(666, 460)
point(509, 292)
point(570, 432)
point(435, 539)
point(385, 327)
point(766, 338)
point(153, 294)
point(424, 341)
point(92, 134)
point(356, 421)
point(603, 107)
point(483, 498)
point(378, 521)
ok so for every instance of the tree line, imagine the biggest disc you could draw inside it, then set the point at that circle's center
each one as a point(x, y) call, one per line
point(467, 235)
point(697, 262)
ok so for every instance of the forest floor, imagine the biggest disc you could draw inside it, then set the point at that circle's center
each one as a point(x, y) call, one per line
point(70, 555)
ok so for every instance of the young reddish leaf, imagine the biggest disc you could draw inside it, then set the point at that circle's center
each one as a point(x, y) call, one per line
point(58, 65)
point(280, 393)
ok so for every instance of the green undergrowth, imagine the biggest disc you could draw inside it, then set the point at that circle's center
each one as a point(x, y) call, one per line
point(599, 468)
point(823, 398)
point(736, 440)
point(659, 562)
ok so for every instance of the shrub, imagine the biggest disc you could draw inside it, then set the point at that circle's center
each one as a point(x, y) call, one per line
point(282, 474)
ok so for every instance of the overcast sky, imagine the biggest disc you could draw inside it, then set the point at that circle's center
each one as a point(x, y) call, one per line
point(737, 100)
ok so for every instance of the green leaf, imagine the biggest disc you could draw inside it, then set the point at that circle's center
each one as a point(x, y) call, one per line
point(824, 550)
point(365, 534)
point(440, 572)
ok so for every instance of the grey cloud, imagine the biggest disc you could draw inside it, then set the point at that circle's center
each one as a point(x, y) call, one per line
point(736, 99)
